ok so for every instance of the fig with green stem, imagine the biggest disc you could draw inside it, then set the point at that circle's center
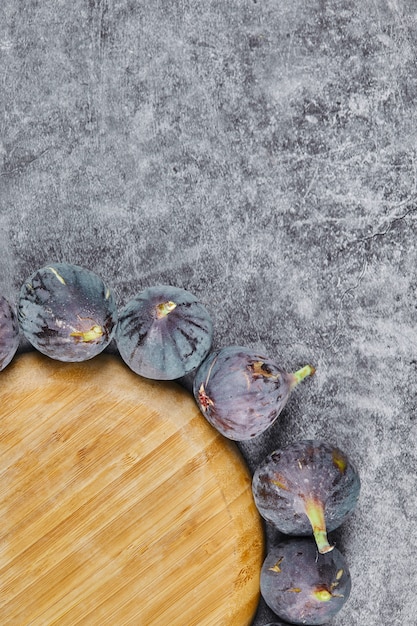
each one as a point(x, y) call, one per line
point(308, 487)
point(164, 333)
point(67, 312)
point(241, 392)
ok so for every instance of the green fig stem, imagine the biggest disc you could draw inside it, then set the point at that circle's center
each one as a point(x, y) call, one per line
point(299, 375)
point(314, 509)
point(164, 308)
point(322, 594)
point(88, 336)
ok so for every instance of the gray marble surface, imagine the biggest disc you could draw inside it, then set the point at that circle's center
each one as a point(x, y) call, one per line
point(261, 154)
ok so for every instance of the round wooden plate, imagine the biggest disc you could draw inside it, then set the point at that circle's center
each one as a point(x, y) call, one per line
point(120, 505)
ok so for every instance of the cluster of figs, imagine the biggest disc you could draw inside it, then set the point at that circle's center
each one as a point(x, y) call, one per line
point(304, 490)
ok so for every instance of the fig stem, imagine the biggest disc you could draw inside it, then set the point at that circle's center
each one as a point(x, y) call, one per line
point(299, 375)
point(88, 336)
point(322, 595)
point(164, 308)
point(314, 509)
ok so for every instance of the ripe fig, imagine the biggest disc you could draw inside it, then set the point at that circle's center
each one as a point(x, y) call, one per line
point(66, 312)
point(303, 586)
point(164, 333)
point(309, 487)
point(9, 332)
point(241, 392)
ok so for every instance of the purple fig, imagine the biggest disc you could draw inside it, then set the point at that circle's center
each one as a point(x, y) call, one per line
point(9, 332)
point(241, 392)
point(303, 586)
point(309, 487)
point(66, 312)
point(164, 333)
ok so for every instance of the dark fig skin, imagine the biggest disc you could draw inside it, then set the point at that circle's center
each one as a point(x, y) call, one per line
point(303, 586)
point(9, 333)
point(308, 487)
point(66, 312)
point(241, 392)
point(164, 333)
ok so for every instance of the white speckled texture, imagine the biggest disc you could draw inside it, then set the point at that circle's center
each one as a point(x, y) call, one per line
point(263, 155)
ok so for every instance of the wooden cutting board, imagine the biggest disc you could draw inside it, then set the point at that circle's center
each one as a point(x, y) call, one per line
point(119, 504)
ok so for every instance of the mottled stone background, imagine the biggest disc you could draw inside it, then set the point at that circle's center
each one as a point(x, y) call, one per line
point(261, 154)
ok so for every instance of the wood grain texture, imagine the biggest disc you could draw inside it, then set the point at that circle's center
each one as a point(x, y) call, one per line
point(119, 503)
